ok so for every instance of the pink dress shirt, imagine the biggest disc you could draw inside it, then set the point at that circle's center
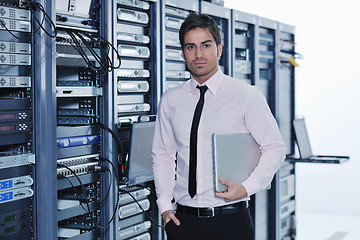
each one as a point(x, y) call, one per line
point(231, 106)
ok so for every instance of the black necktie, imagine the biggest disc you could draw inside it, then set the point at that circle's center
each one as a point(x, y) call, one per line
point(193, 141)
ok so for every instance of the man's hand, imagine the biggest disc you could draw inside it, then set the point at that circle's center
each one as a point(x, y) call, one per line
point(170, 216)
point(235, 190)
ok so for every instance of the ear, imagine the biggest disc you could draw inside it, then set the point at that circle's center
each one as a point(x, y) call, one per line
point(183, 54)
point(219, 49)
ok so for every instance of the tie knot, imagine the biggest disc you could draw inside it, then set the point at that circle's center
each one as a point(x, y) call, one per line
point(202, 89)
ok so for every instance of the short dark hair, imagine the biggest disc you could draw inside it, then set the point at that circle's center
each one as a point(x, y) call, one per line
point(199, 20)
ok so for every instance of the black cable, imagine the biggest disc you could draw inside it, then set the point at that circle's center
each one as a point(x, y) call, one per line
point(118, 191)
point(148, 188)
point(75, 190)
point(81, 40)
point(108, 44)
point(4, 25)
point(123, 190)
point(118, 141)
point(79, 48)
point(81, 185)
point(137, 202)
point(108, 191)
point(119, 188)
point(89, 211)
point(34, 6)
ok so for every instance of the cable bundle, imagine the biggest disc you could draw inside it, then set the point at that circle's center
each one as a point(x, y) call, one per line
point(34, 7)
point(97, 46)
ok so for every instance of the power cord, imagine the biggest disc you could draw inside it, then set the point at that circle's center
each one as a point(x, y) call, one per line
point(89, 210)
point(118, 141)
point(142, 209)
point(82, 188)
point(75, 190)
point(121, 150)
point(102, 159)
point(93, 42)
point(35, 6)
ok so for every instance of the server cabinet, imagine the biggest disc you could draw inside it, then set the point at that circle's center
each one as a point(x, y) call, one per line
point(283, 217)
point(16, 123)
point(222, 17)
point(174, 70)
point(265, 58)
point(285, 83)
point(137, 84)
point(80, 68)
point(242, 47)
point(285, 227)
point(264, 76)
point(136, 43)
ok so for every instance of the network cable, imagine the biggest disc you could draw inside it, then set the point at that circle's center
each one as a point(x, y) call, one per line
point(142, 209)
point(34, 7)
point(75, 191)
point(81, 185)
point(89, 210)
point(118, 141)
point(93, 42)
point(121, 150)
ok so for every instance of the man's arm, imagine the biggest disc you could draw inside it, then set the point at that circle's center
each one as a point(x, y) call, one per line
point(263, 127)
point(163, 154)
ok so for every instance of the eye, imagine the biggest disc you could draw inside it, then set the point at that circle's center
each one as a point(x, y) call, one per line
point(207, 45)
point(190, 47)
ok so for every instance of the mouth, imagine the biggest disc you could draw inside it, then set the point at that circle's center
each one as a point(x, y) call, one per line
point(199, 64)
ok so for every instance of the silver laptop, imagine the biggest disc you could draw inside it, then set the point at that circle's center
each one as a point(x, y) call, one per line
point(235, 157)
point(304, 146)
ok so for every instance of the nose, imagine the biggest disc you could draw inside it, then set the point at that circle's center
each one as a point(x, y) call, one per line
point(198, 52)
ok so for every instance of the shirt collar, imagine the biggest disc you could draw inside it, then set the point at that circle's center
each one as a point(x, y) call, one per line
point(213, 83)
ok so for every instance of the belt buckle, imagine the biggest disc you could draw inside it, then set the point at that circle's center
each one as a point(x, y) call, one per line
point(206, 216)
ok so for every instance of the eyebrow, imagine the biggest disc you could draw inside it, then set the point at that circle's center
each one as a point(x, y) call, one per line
point(190, 44)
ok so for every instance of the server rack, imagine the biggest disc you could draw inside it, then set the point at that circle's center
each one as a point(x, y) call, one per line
point(80, 77)
point(137, 84)
point(265, 58)
point(17, 148)
point(285, 83)
point(136, 41)
point(283, 193)
point(243, 55)
point(265, 79)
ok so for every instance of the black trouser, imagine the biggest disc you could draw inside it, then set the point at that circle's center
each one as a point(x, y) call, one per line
point(237, 226)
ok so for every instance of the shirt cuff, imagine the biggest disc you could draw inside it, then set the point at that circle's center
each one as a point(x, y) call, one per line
point(251, 186)
point(164, 205)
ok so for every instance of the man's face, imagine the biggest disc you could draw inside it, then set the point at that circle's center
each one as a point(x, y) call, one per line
point(201, 54)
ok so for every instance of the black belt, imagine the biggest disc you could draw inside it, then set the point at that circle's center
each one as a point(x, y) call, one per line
point(213, 211)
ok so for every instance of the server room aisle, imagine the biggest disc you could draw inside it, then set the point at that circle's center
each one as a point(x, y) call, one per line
point(327, 227)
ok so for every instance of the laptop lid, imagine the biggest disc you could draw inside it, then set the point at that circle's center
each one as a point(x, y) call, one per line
point(302, 138)
point(140, 161)
point(235, 157)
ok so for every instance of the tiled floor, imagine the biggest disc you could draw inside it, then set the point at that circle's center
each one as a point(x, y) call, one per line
point(327, 227)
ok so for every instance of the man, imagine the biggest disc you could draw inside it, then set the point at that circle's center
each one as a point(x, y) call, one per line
point(227, 105)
